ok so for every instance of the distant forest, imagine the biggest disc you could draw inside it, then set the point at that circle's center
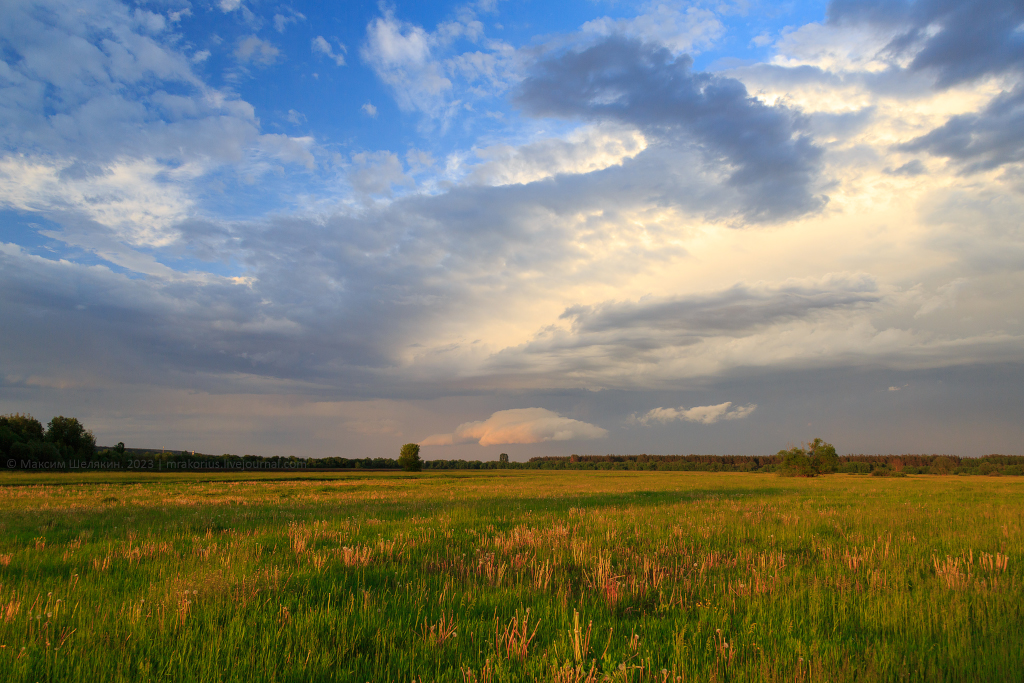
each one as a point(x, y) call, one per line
point(64, 444)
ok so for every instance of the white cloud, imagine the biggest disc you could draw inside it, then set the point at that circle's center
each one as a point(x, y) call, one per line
point(132, 197)
point(377, 173)
point(252, 49)
point(587, 149)
point(322, 47)
point(518, 426)
point(281, 21)
point(400, 54)
point(229, 5)
point(680, 28)
point(703, 414)
point(369, 110)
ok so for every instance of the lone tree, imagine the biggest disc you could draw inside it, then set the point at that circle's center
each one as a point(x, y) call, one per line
point(409, 458)
point(503, 459)
point(815, 458)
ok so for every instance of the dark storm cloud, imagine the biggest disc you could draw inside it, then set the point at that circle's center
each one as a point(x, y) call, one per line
point(773, 163)
point(958, 40)
point(982, 140)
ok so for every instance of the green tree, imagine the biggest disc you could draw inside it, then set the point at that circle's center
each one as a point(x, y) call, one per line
point(503, 459)
point(409, 458)
point(823, 456)
point(795, 463)
point(70, 437)
point(25, 427)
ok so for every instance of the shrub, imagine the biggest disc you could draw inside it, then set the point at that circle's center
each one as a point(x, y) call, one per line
point(795, 463)
point(409, 458)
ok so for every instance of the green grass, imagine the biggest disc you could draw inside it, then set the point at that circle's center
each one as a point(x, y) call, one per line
point(508, 576)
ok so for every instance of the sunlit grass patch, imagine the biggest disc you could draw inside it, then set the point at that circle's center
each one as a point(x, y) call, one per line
point(511, 575)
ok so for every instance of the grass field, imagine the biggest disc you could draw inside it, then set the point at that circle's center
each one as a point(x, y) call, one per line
point(510, 576)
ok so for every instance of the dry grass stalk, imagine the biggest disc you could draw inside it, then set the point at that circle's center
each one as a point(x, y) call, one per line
point(954, 572)
point(580, 640)
point(515, 640)
point(994, 562)
point(438, 633)
point(486, 674)
point(542, 575)
point(358, 556)
point(11, 609)
point(575, 674)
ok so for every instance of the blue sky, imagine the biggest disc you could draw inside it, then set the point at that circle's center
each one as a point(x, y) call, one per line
point(537, 228)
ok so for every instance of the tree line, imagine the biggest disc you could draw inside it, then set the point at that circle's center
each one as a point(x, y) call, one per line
point(65, 444)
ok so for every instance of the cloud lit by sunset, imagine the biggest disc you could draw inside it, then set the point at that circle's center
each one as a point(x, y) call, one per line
point(276, 231)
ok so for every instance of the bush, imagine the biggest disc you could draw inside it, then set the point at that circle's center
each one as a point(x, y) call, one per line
point(795, 463)
point(886, 472)
point(409, 458)
point(817, 458)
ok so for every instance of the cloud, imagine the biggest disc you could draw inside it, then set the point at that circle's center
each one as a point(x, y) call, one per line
point(702, 414)
point(945, 297)
point(590, 148)
point(400, 55)
point(770, 160)
point(252, 49)
point(281, 21)
point(736, 309)
point(982, 140)
point(322, 47)
point(955, 41)
point(369, 110)
point(518, 426)
point(912, 168)
point(668, 24)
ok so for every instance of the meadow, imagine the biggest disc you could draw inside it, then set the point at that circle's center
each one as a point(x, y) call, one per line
point(510, 575)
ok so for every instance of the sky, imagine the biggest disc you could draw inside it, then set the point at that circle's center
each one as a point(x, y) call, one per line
point(329, 229)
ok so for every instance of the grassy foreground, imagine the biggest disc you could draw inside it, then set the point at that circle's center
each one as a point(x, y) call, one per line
point(509, 576)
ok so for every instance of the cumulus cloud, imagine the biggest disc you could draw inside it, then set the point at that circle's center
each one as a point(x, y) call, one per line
point(702, 414)
point(322, 47)
point(254, 50)
point(518, 426)
point(400, 54)
point(772, 162)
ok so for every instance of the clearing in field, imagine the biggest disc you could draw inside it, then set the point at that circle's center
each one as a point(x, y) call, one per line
point(509, 576)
